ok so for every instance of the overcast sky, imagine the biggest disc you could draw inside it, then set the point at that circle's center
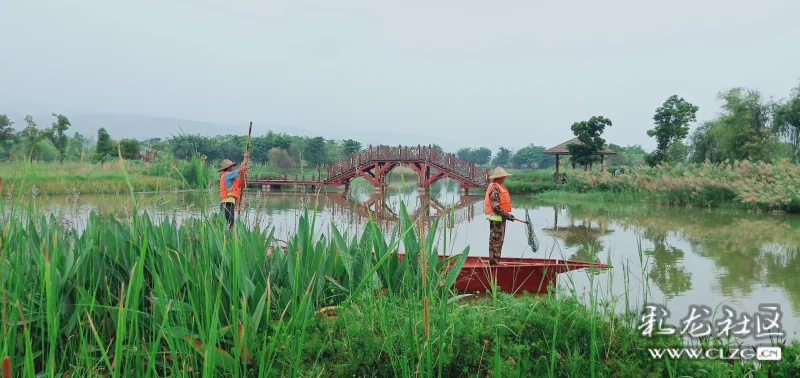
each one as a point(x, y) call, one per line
point(477, 72)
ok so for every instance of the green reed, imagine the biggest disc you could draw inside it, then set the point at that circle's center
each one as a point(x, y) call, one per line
point(753, 186)
point(134, 297)
point(137, 296)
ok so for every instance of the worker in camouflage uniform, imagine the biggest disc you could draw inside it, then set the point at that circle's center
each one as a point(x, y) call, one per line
point(497, 206)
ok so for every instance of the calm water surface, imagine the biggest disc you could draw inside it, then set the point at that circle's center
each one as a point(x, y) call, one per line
point(674, 256)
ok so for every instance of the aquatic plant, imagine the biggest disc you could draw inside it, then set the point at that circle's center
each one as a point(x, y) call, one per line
point(752, 185)
point(139, 297)
point(142, 298)
point(126, 275)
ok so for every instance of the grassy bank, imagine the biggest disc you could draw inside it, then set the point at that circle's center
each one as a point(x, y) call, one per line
point(526, 174)
point(753, 186)
point(530, 181)
point(135, 297)
point(107, 178)
point(531, 188)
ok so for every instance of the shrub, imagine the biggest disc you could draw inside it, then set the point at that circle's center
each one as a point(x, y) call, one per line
point(753, 185)
point(522, 187)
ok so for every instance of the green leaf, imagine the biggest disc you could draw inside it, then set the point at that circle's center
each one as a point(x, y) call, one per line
point(259, 311)
point(345, 253)
point(223, 359)
point(454, 270)
point(458, 298)
point(336, 284)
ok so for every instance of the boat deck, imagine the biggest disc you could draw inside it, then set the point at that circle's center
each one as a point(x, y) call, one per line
point(516, 275)
point(513, 274)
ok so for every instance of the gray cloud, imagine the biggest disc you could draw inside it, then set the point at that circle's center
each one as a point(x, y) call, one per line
point(468, 72)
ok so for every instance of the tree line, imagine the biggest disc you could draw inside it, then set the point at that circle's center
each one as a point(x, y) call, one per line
point(53, 144)
point(277, 149)
point(530, 156)
point(748, 126)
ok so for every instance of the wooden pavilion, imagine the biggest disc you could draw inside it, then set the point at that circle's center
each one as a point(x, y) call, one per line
point(562, 150)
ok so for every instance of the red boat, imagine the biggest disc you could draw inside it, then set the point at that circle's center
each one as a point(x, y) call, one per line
point(513, 274)
point(516, 275)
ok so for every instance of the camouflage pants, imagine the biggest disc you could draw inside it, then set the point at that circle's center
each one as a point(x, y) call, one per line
point(229, 209)
point(497, 233)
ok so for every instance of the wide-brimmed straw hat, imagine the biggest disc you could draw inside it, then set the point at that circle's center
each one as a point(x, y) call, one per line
point(498, 173)
point(227, 164)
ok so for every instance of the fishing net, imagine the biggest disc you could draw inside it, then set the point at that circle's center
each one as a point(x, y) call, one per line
point(532, 240)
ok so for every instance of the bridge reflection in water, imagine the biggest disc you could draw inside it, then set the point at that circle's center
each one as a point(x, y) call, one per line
point(384, 209)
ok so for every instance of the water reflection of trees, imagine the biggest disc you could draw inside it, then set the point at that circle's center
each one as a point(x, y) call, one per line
point(667, 270)
point(581, 233)
point(782, 271)
point(748, 250)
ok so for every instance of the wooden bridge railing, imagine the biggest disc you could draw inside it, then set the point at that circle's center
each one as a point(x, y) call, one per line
point(427, 154)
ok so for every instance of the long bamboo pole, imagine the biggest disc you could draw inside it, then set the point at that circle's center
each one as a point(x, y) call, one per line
point(243, 176)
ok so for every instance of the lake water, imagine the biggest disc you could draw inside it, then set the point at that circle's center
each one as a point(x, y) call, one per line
point(674, 256)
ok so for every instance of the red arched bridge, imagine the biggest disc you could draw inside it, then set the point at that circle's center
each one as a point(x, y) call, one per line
point(375, 163)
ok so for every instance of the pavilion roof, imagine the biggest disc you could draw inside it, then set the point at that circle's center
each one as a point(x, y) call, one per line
point(561, 149)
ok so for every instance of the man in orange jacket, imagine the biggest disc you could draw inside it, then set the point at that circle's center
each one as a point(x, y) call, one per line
point(230, 189)
point(497, 206)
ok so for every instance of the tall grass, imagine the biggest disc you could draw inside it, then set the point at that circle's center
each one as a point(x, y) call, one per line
point(125, 263)
point(51, 178)
point(104, 178)
point(525, 174)
point(530, 181)
point(137, 296)
point(142, 298)
point(531, 188)
point(751, 185)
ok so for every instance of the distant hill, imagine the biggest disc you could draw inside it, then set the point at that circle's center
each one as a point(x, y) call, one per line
point(144, 127)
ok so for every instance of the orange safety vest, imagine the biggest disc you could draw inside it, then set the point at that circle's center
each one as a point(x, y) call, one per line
point(235, 192)
point(505, 199)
